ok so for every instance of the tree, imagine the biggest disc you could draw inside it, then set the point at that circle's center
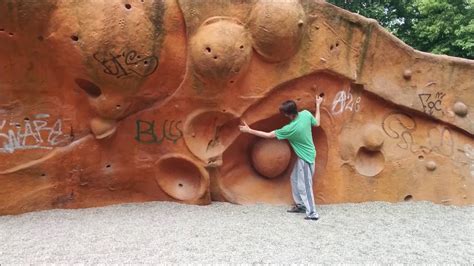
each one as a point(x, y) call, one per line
point(436, 26)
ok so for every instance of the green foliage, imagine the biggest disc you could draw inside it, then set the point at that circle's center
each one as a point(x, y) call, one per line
point(435, 26)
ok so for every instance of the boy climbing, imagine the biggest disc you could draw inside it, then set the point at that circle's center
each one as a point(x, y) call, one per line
point(298, 133)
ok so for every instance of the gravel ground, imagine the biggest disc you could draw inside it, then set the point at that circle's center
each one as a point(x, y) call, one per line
point(165, 232)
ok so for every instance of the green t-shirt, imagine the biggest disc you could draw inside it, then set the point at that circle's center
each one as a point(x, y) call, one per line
point(298, 133)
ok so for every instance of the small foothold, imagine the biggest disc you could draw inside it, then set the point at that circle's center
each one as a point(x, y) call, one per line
point(460, 109)
point(407, 74)
point(102, 128)
point(323, 59)
point(300, 23)
point(431, 165)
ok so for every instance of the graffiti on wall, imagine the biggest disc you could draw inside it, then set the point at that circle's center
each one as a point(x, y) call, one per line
point(344, 101)
point(39, 133)
point(402, 127)
point(147, 131)
point(431, 102)
point(127, 63)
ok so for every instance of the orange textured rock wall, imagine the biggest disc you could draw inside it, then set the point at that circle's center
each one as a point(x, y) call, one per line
point(105, 102)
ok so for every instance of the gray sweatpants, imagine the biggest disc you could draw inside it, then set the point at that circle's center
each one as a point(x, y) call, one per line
point(302, 186)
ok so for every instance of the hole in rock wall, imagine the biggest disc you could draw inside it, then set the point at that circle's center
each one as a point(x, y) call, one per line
point(408, 198)
point(75, 38)
point(179, 177)
point(128, 6)
point(369, 163)
point(208, 132)
point(90, 88)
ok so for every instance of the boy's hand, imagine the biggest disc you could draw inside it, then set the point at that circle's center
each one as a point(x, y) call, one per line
point(319, 100)
point(244, 128)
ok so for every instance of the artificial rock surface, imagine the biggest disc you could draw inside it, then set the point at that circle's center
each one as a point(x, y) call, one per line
point(105, 102)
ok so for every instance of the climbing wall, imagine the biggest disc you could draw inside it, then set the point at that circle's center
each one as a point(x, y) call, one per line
point(105, 102)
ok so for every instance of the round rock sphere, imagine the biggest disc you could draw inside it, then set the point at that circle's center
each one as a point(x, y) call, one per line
point(220, 50)
point(373, 137)
point(277, 28)
point(271, 157)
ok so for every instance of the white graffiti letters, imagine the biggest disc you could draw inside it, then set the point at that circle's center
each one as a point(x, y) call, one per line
point(345, 101)
point(36, 134)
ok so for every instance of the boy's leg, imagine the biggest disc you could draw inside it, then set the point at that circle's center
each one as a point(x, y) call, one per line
point(306, 189)
point(295, 173)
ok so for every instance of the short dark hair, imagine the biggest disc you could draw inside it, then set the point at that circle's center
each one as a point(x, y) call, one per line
point(288, 108)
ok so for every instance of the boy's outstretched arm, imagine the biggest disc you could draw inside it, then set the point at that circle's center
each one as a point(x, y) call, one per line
point(317, 115)
point(246, 129)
